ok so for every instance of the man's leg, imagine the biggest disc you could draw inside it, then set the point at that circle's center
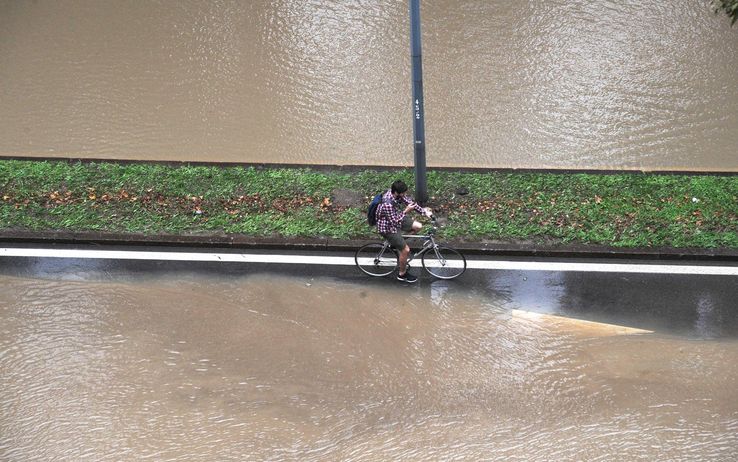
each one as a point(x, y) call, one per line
point(403, 259)
point(398, 243)
point(411, 226)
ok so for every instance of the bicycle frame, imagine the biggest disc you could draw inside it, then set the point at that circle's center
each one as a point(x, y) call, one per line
point(430, 243)
point(380, 259)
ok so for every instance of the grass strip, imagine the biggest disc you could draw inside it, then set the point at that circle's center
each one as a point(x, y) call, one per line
point(621, 210)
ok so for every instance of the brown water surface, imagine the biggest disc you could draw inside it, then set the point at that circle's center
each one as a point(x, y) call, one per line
point(267, 367)
point(619, 84)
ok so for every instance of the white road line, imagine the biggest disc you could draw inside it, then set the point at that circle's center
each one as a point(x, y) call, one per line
point(177, 256)
point(607, 267)
point(349, 261)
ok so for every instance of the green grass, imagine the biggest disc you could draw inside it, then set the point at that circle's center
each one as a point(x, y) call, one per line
point(621, 210)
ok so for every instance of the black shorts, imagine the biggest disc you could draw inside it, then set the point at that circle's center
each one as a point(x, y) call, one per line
point(395, 239)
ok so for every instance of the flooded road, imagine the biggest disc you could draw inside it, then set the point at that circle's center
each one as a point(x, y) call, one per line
point(619, 84)
point(132, 361)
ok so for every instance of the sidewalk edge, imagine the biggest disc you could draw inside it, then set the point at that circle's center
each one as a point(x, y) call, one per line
point(522, 249)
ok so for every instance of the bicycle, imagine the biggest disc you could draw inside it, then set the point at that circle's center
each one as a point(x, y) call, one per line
point(439, 260)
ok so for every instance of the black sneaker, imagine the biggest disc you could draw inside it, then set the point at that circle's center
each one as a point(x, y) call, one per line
point(407, 277)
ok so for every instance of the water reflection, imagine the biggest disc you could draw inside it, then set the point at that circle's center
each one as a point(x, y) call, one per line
point(537, 291)
point(708, 323)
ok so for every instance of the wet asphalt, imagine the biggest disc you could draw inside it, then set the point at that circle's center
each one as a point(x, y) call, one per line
point(692, 306)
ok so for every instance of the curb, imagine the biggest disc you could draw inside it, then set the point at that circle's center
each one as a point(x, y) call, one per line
point(522, 249)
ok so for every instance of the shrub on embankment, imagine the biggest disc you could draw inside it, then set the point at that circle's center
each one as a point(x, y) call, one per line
point(621, 210)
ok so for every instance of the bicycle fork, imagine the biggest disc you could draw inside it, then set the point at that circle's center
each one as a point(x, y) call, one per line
point(440, 258)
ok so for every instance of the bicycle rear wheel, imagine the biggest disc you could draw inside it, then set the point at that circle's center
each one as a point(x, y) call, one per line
point(444, 262)
point(372, 260)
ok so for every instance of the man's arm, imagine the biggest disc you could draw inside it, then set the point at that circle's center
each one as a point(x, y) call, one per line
point(408, 201)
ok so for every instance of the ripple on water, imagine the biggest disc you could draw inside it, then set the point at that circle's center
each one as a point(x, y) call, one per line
point(555, 84)
point(272, 368)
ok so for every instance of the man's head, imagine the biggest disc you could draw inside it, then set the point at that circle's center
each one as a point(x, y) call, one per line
point(398, 188)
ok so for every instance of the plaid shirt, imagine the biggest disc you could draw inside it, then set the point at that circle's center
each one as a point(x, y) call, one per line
point(391, 212)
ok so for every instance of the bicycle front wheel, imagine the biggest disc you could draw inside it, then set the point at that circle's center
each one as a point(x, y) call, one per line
point(376, 260)
point(444, 262)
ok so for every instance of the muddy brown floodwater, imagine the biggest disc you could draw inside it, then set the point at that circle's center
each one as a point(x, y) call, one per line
point(269, 367)
point(613, 84)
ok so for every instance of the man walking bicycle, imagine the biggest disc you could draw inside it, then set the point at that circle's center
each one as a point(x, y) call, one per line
point(392, 220)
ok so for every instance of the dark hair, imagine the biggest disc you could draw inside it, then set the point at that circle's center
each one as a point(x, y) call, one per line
point(399, 186)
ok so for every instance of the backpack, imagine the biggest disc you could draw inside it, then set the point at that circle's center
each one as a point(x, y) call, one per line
point(371, 214)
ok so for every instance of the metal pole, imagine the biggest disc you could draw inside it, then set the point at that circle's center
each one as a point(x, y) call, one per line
point(421, 188)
